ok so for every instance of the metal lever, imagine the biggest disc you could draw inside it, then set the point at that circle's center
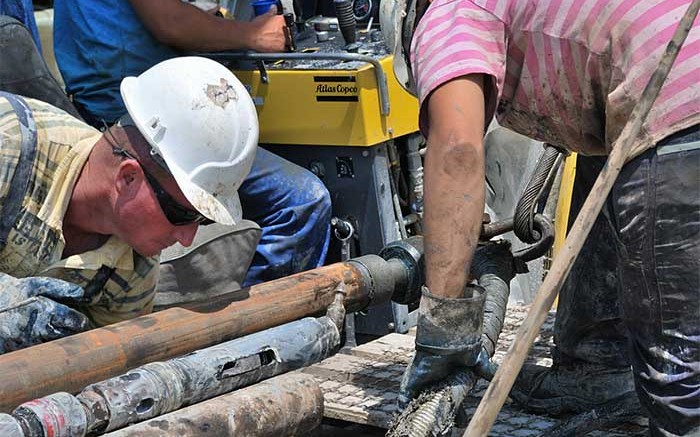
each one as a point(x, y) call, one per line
point(343, 231)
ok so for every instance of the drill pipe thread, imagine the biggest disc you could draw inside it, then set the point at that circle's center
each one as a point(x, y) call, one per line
point(433, 412)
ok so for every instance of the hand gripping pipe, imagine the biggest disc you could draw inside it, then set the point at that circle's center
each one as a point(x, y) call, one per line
point(434, 412)
point(69, 364)
point(162, 387)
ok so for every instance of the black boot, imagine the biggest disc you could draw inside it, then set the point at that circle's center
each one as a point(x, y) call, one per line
point(571, 387)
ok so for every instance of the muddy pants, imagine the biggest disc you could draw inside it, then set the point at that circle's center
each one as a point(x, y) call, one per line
point(633, 296)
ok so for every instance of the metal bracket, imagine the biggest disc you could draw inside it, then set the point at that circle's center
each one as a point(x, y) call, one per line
point(264, 78)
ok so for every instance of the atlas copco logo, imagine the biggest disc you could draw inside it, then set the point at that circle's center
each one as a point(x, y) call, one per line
point(336, 89)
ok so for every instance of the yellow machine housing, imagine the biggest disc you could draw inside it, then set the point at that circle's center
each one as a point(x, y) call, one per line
point(323, 111)
point(329, 107)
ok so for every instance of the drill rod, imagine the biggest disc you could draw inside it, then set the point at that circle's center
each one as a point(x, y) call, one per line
point(289, 405)
point(71, 363)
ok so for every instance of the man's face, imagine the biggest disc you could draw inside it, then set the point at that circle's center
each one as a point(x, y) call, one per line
point(151, 211)
point(143, 224)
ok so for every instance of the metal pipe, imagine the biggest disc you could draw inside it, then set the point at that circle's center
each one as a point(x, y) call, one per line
point(436, 414)
point(394, 169)
point(288, 405)
point(58, 415)
point(162, 387)
point(9, 426)
point(71, 363)
point(158, 388)
point(414, 164)
point(490, 230)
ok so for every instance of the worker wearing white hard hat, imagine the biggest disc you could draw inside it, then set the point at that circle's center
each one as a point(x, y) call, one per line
point(126, 38)
point(87, 212)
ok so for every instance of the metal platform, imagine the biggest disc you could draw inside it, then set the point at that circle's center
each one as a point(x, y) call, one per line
point(362, 387)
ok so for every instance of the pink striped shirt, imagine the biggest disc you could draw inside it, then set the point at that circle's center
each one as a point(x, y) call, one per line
point(564, 71)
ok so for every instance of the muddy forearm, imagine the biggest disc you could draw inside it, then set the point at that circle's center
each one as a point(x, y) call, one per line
point(454, 183)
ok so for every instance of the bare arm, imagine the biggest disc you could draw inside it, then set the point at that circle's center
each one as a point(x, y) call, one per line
point(454, 183)
point(186, 27)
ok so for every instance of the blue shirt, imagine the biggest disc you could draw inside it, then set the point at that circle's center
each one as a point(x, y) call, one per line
point(97, 43)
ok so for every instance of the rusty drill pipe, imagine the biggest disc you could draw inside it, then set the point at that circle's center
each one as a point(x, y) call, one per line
point(287, 405)
point(161, 387)
point(71, 363)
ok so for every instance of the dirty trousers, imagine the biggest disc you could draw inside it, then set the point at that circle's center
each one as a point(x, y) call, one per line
point(633, 295)
point(293, 208)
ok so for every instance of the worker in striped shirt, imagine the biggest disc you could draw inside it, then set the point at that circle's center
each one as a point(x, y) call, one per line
point(84, 214)
point(568, 72)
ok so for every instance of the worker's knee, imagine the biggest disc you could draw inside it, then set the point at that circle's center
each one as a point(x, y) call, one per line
point(311, 199)
point(320, 198)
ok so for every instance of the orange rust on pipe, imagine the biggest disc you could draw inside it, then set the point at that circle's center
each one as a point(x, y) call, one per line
point(71, 363)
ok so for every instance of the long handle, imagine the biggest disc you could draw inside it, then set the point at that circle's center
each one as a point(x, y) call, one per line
point(502, 382)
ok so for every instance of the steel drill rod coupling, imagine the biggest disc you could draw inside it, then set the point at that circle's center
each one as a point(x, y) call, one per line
point(71, 363)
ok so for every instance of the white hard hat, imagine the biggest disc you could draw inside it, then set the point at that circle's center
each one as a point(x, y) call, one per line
point(398, 20)
point(200, 119)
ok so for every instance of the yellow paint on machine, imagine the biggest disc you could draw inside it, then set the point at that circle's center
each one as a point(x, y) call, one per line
point(564, 202)
point(561, 216)
point(330, 107)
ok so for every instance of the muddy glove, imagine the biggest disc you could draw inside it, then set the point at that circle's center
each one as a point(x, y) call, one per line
point(31, 312)
point(448, 337)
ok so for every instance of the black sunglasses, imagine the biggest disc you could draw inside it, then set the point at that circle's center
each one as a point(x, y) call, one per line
point(176, 214)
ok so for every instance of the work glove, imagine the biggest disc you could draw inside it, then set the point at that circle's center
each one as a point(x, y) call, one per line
point(32, 311)
point(448, 338)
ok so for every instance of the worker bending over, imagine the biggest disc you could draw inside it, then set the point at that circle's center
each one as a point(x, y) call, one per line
point(99, 42)
point(568, 73)
point(84, 214)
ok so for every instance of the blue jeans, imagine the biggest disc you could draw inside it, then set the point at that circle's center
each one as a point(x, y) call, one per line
point(293, 208)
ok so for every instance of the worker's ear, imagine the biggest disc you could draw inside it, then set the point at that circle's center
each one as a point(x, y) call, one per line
point(129, 178)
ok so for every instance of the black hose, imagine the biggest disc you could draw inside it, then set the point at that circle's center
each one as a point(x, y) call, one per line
point(497, 292)
point(346, 20)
